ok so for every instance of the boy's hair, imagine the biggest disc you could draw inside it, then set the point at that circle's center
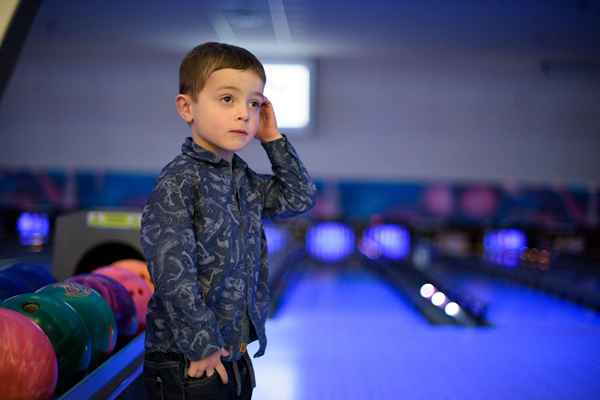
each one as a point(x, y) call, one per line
point(209, 57)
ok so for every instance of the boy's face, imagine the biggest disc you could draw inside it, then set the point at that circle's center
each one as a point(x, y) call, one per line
point(226, 116)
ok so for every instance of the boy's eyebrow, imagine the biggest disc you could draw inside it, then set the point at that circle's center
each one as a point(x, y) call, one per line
point(238, 90)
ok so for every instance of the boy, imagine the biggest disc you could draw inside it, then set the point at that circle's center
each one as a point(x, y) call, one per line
point(202, 231)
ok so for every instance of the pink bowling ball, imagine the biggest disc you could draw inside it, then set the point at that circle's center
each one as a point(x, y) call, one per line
point(137, 288)
point(28, 366)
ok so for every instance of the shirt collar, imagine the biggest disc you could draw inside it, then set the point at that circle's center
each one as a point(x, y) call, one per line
point(193, 150)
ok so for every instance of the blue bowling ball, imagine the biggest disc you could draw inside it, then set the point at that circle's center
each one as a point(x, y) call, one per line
point(34, 276)
point(11, 286)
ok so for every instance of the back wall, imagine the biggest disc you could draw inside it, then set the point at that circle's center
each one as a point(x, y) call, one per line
point(426, 114)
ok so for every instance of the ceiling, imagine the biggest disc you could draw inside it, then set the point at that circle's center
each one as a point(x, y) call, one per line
point(332, 28)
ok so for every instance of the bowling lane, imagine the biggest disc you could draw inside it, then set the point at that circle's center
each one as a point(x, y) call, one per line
point(347, 293)
point(349, 336)
point(328, 323)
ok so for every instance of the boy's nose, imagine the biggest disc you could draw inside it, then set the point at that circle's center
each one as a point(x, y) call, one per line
point(243, 113)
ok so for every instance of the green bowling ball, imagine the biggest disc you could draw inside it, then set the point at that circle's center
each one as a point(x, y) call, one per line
point(64, 328)
point(95, 313)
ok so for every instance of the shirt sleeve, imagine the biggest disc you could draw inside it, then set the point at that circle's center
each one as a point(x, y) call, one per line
point(169, 244)
point(263, 294)
point(290, 191)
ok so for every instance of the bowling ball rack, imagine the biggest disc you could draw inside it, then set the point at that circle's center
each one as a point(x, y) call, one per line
point(117, 377)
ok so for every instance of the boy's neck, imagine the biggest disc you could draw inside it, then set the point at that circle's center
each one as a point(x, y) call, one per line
point(224, 154)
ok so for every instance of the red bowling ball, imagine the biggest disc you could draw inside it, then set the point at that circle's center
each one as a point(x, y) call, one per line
point(28, 366)
point(137, 288)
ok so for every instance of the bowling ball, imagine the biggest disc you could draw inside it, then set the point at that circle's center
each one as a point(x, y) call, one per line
point(64, 328)
point(117, 298)
point(28, 367)
point(137, 267)
point(35, 276)
point(95, 313)
point(11, 286)
point(137, 288)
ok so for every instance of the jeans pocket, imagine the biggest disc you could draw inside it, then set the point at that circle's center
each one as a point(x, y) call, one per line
point(202, 381)
point(205, 387)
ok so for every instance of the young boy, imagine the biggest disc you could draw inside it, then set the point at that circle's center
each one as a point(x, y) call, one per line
point(202, 231)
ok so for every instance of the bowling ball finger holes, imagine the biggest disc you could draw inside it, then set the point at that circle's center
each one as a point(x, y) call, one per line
point(31, 307)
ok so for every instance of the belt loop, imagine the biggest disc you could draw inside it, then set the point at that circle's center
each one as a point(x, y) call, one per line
point(159, 383)
point(186, 365)
point(238, 381)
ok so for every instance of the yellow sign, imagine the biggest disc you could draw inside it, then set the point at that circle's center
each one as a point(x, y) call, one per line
point(114, 219)
point(7, 12)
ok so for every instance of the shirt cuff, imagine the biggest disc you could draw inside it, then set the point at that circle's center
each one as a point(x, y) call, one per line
point(279, 150)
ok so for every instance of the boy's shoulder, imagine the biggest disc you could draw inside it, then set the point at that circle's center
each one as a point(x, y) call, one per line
point(175, 172)
point(180, 167)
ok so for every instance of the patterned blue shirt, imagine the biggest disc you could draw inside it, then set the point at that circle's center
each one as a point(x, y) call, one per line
point(204, 241)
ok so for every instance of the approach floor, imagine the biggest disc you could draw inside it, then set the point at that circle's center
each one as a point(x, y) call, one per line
point(350, 336)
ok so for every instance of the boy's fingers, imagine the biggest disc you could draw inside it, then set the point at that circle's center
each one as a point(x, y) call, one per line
point(222, 373)
point(195, 372)
point(266, 103)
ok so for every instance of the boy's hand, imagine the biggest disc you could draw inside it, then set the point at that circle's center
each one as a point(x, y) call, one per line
point(209, 365)
point(267, 128)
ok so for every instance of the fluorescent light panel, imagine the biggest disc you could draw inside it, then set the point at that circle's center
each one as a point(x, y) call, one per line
point(288, 88)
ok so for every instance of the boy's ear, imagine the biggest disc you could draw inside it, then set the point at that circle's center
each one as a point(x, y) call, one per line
point(183, 104)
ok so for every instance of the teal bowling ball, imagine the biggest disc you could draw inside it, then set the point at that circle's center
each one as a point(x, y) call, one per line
point(95, 313)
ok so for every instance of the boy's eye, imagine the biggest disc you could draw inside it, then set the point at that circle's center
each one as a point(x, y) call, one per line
point(255, 104)
point(227, 99)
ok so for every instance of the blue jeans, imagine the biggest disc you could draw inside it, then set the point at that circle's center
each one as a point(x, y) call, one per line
point(165, 378)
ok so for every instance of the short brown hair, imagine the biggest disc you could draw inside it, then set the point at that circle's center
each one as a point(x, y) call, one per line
point(209, 57)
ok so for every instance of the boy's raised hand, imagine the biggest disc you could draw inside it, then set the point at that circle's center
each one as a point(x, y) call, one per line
point(267, 128)
point(208, 365)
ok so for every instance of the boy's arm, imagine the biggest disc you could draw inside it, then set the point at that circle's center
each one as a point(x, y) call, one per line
point(169, 243)
point(263, 292)
point(290, 191)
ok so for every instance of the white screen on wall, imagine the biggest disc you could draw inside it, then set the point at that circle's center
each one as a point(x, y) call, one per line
point(288, 89)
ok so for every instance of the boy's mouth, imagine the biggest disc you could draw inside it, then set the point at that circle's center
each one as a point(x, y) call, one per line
point(241, 132)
